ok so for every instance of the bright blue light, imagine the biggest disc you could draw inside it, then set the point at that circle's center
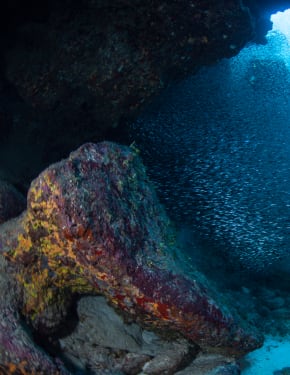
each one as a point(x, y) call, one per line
point(281, 22)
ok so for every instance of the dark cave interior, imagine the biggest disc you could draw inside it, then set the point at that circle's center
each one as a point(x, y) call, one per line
point(42, 119)
point(65, 80)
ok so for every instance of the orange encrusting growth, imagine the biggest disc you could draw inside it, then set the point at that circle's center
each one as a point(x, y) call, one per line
point(94, 225)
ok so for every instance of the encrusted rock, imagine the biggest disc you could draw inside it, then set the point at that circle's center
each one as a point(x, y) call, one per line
point(103, 340)
point(100, 325)
point(168, 361)
point(18, 353)
point(93, 224)
point(85, 65)
point(211, 364)
point(133, 363)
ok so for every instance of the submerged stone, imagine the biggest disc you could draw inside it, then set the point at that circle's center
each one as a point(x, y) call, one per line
point(211, 364)
point(94, 225)
point(103, 340)
point(18, 353)
point(92, 63)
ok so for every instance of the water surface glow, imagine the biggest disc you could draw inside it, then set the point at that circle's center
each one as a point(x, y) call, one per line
point(281, 22)
point(218, 148)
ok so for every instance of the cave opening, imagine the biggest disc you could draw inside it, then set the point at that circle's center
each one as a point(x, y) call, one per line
point(217, 147)
point(281, 22)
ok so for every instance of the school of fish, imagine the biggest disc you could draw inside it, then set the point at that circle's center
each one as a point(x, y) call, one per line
point(217, 147)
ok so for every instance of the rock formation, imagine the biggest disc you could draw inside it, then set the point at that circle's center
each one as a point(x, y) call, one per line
point(71, 71)
point(19, 355)
point(94, 225)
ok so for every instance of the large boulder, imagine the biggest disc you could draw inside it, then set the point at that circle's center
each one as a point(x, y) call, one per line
point(18, 353)
point(94, 225)
point(102, 340)
point(72, 70)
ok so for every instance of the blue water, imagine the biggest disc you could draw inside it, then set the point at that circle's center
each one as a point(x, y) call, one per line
point(217, 146)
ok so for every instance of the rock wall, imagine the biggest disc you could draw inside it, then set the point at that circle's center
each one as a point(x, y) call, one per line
point(72, 71)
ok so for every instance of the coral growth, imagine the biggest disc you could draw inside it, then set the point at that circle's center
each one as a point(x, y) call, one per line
point(94, 225)
point(18, 354)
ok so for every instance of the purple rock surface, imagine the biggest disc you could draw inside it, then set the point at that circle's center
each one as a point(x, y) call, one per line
point(94, 224)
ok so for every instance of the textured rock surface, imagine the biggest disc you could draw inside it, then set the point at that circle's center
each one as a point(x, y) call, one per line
point(12, 203)
point(18, 354)
point(71, 70)
point(102, 340)
point(94, 224)
point(211, 364)
point(168, 362)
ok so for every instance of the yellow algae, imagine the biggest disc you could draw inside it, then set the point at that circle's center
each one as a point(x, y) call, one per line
point(24, 244)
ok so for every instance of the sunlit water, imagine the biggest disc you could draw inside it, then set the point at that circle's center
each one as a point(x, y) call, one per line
point(218, 148)
point(272, 357)
point(281, 23)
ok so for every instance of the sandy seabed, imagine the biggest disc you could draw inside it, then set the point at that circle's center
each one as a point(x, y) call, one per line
point(273, 356)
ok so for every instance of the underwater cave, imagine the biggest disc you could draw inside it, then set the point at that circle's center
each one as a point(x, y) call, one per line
point(207, 108)
point(217, 146)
